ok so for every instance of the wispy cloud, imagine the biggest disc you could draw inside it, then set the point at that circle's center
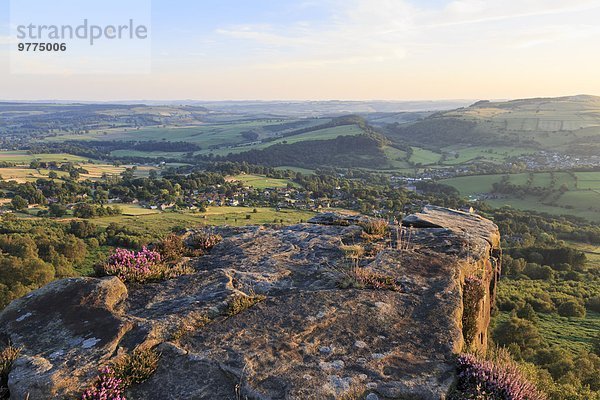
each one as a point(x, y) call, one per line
point(388, 30)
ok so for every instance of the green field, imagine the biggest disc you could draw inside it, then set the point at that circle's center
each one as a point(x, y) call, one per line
point(582, 198)
point(321, 134)
point(23, 157)
point(303, 171)
point(574, 334)
point(462, 155)
point(261, 181)
point(224, 134)
point(396, 157)
point(134, 209)
point(148, 154)
point(161, 223)
point(95, 172)
point(424, 157)
point(592, 253)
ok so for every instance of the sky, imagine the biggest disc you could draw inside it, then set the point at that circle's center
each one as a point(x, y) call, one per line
point(337, 49)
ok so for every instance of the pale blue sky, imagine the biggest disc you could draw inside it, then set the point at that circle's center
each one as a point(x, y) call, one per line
point(345, 49)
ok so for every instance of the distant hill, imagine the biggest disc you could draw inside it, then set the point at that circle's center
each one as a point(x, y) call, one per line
point(568, 124)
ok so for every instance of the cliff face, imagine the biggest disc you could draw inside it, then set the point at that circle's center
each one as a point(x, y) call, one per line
point(308, 339)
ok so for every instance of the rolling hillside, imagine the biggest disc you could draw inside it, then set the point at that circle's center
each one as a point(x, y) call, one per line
point(565, 124)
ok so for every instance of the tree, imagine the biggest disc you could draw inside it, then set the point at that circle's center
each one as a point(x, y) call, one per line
point(527, 312)
point(571, 308)
point(57, 210)
point(520, 332)
point(18, 203)
point(84, 210)
point(536, 271)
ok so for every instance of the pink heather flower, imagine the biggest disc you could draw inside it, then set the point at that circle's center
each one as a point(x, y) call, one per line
point(106, 387)
point(130, 265)
point(483, 379)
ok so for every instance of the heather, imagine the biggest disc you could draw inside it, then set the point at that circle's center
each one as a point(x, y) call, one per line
point(142, 266)
point(483, 379)
point(133, 266)
point(106, 387)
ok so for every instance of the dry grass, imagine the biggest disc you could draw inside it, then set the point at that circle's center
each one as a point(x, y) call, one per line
point(353, 251)
point(363, 278)
point(375, 227)
point(354, 393)
point(7, 357)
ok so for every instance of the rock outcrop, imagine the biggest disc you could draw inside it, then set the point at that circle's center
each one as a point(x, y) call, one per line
point(308, 339)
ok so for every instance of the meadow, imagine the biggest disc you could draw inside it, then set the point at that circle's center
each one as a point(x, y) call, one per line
point(261, 181)
point(24, 157)
point(159, 224)
point(95, 171)
point(573, 334)
point(424, 157)
point(582, 198)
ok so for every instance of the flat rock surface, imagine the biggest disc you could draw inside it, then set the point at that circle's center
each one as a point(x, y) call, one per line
point(308, 338)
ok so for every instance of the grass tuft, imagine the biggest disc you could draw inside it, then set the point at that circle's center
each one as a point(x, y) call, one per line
point(137, 366)
point(242, 302)
point(363, 278)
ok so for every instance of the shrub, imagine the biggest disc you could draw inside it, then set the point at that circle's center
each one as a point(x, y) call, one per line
point(171, 248)
point(136, 367)
point(106, 387)
point(473, 293)
point(521, 332)
point(242, 302)
point(486, 380)
point(527, 312)
point(204, 241)
point(571, 308)
point(593, 304)
point(536, 271)
point(132, 266)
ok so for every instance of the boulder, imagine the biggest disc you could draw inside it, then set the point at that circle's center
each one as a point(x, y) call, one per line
point(309, 338)
point(66, 330)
